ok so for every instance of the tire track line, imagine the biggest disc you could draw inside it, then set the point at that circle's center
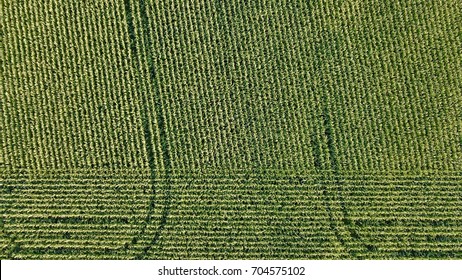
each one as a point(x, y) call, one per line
point(149, 140)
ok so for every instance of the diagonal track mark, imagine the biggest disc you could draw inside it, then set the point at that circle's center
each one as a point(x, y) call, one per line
point(333, 161)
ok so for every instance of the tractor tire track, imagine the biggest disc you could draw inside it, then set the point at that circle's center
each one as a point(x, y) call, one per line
point(334, 166)
point(161, 126)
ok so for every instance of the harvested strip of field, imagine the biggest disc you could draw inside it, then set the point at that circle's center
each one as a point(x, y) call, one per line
point(133, 129)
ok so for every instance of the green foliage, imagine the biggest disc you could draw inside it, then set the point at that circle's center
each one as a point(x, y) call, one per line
point(230, 129)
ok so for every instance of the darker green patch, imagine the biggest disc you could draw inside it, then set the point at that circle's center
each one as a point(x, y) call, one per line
point(328, 131)
point(316, 151)
point(9, 189)
point(371, 248)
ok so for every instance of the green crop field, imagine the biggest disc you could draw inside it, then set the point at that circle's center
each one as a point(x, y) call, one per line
point(260, 129)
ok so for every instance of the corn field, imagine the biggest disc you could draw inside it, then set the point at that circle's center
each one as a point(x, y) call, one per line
point(261, 129)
